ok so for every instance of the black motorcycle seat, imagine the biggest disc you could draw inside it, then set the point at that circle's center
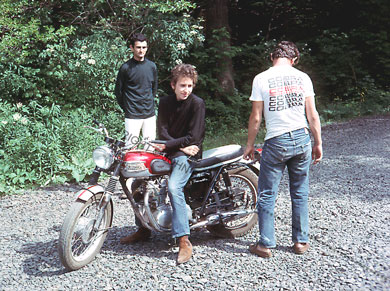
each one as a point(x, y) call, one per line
point(218, 156)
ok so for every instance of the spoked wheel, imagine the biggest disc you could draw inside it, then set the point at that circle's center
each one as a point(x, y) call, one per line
point(80, 240)
point(244, 185)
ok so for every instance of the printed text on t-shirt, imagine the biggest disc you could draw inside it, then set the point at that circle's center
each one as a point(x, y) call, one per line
point(285, 92)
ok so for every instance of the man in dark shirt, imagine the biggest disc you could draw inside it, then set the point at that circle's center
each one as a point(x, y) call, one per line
point(181, 122)
point(135, 89)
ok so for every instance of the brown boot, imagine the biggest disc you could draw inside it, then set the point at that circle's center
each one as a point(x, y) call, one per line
point(141, 234)
point(300, 248)
point(185, 250)
point(261, 251)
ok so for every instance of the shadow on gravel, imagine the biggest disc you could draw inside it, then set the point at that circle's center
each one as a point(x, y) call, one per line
point(43, 260)
point(161, 245)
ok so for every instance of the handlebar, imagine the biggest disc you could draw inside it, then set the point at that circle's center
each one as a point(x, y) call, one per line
point(159, 141)
point(102, 130)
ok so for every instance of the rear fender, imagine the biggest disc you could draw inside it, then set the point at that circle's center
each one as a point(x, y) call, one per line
point(87, 193)
point(255, 167)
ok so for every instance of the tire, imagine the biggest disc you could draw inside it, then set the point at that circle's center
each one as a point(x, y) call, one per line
point(243, 179)
point(78, 243)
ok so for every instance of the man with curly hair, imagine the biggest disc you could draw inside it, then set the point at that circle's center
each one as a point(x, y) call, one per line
point(285, 97)
point(181, 123)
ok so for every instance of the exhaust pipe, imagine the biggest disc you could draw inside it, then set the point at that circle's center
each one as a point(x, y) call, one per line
point(213, 219)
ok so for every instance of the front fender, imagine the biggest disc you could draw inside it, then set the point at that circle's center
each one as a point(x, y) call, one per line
point(86, 193)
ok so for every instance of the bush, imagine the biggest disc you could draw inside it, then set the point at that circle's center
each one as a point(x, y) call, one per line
point(83, 71)
point(44, 145)
point(23, 38)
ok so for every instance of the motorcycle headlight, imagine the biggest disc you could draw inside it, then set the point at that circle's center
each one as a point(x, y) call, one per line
point(103, 157)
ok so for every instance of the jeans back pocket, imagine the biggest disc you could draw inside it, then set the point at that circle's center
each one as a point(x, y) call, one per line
point(274, 154)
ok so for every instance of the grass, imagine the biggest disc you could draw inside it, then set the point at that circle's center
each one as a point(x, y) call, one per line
point(216, 139)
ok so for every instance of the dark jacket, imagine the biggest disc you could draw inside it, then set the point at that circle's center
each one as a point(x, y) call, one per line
point(136, 87)
point(181, 123)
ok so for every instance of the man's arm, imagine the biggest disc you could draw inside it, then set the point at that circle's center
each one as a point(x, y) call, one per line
point(119, 88)
point(315, 128)
point(162, 119)
point(155, 82)
point(253, 128)
point(191, 150)
point(197, 127)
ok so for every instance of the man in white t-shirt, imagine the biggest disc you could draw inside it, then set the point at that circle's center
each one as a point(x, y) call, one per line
point(285, 96)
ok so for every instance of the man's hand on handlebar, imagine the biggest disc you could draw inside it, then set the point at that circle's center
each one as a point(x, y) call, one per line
point(249, 152)
point(160, 147)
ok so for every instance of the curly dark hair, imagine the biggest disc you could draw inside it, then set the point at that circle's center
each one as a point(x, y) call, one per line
point(286, 49)
point(184, 70)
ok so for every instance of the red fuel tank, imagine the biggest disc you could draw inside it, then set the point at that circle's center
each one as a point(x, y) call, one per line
point(143, 164)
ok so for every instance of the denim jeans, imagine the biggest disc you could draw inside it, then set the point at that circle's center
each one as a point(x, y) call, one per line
point(181, 172)
point(292, 149)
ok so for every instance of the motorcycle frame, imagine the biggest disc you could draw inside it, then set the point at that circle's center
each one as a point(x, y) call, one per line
point(221, 170)
point(218, 216)
point(94, 188)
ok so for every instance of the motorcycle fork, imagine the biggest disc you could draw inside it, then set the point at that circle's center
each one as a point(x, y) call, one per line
point(110, 189)
point(95, 176)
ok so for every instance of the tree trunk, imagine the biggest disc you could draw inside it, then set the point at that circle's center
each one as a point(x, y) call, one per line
point(217, 17)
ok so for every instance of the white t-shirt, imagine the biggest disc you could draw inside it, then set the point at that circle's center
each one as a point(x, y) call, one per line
point(283, 90)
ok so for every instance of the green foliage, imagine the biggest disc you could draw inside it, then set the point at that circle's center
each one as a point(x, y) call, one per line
point(225, 112)
point(175, 35)
point(23, 38)
point(370, 100)
point(170, 6)
point(83, 71)
point(342, 80)
point(70, 54)
point(46, 144)
point(335, 65)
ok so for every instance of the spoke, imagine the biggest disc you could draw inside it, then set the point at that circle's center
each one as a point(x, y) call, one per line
point(245, 199)
point(78, 247)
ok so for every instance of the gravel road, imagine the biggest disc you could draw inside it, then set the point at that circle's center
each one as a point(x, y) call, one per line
point(349, 220)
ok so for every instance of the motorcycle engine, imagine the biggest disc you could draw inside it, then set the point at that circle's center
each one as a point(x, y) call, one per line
point(158, 202)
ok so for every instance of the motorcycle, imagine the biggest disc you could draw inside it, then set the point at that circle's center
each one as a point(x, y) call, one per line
point(221, 195)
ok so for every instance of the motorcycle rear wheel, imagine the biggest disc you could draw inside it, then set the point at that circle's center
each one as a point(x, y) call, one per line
point(245, 179)
point(78, 242)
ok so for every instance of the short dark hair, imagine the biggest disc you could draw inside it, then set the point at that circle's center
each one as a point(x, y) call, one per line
point(137, 37)
point(286, 49)
point(184, 70)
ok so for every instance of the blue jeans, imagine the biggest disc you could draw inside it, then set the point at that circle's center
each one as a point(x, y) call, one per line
point(292, 149)
point(181, 172)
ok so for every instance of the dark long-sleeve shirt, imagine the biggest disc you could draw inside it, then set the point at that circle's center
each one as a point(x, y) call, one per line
point(136, 87)
point(181, 123)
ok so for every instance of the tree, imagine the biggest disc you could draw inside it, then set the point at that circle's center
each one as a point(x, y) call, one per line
point(218, 36)
point(69, 51)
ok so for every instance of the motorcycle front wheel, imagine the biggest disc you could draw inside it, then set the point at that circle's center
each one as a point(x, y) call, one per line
point(79, 240)
point(244, 182)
